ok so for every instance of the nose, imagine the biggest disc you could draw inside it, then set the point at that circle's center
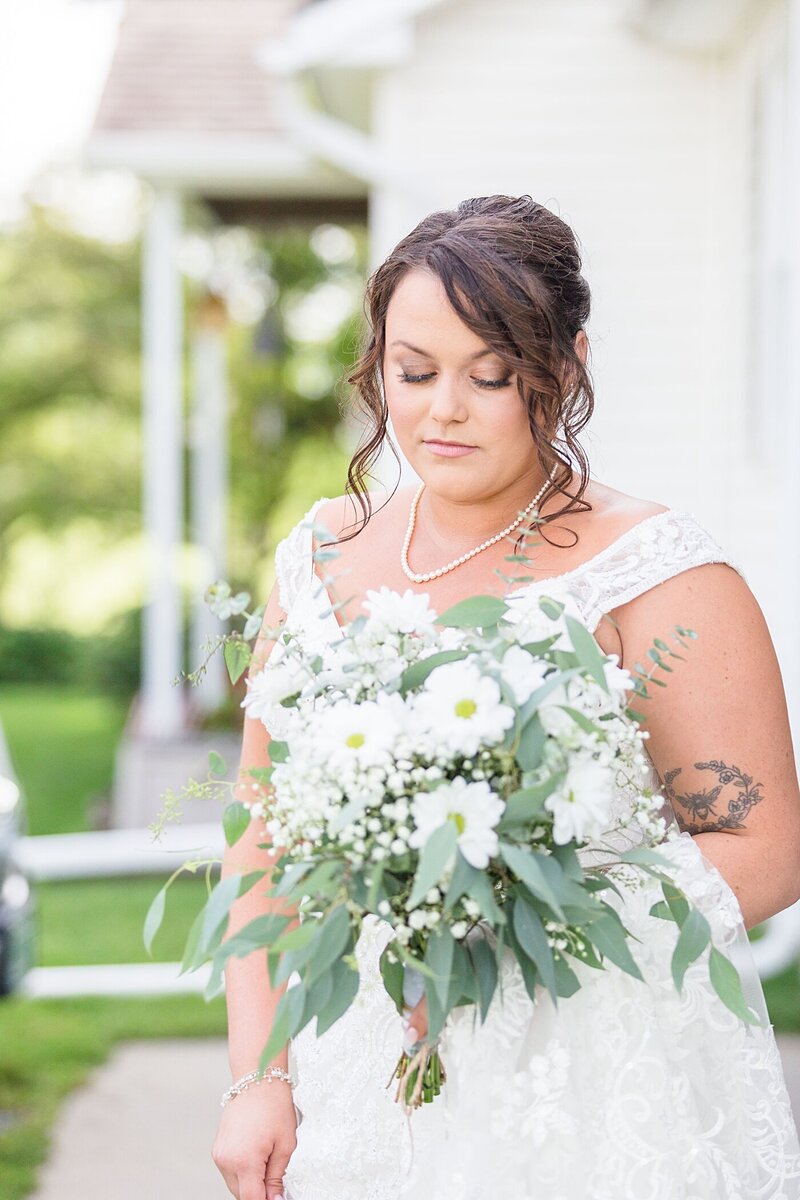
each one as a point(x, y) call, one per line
point(446, 403)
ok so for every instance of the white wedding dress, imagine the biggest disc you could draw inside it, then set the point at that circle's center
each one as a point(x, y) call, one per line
point(625, 1091)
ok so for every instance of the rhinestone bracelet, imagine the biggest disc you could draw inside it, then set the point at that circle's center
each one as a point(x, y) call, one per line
point(242, 1084)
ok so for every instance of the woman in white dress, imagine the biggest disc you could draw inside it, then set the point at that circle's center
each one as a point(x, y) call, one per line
point(627, 1091)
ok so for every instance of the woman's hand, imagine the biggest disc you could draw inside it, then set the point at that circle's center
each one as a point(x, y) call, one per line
point(416, 1023)
point(255, 1140)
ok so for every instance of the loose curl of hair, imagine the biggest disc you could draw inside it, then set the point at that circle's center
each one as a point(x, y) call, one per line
point(512, 272)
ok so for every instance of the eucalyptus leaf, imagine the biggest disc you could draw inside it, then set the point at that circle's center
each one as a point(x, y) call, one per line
point(485, 964)
point(154, 917)
point(415, 675)
point(217, 908)
point(463, 876)
point(392, 975)
point(434, 857)
point(527, 866)
point(692, 940)
point(237, 655)
point(235, 820)
point(335, 934)
point(588, 652)
point(439, 957)
point(345, 987)
point(728, 986)
point(216, 763)
point(476, 612)
point(531, 935)
point(531, 743)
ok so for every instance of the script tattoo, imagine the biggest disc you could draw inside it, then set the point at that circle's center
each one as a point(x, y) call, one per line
point(701, 807)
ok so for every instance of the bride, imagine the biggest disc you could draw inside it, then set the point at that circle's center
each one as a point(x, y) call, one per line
point(628, 1091)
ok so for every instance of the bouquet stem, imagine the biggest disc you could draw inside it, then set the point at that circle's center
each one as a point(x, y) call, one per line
point(420, 1076)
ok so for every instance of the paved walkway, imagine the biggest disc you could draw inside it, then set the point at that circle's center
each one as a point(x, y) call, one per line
point(145, 1124)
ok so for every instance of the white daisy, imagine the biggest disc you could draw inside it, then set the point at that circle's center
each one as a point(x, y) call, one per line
point(272, 684)
point(392, 613)
point(476, 810)
point(581, 806)
point(463, 707)
point(522, 672)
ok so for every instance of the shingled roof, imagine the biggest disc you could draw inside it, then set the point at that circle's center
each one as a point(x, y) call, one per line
point(189, 66)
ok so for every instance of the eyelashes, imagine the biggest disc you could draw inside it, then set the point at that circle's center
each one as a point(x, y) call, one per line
point(487, 384)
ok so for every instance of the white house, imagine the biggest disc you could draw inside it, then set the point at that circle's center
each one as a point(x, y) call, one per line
point(665, 131)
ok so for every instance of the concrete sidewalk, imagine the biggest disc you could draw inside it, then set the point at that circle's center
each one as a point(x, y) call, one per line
point(143, 1127)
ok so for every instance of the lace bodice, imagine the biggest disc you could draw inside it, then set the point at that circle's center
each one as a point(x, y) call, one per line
point(650, 552)
point(628, 1089)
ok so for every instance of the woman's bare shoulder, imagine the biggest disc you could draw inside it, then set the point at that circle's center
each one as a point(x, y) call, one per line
point(342, 514)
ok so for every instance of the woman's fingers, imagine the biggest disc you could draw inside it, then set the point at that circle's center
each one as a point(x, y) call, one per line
point(276, 1169)
point(416, 1023)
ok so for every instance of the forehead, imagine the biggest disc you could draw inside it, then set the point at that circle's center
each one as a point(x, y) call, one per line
point(420, 312)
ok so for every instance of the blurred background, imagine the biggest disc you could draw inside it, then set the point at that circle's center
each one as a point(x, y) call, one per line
point(192, 193)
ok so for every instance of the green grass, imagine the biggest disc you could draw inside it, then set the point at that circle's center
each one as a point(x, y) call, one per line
point(62, 742)
point(49, 1047)
point(100, 920)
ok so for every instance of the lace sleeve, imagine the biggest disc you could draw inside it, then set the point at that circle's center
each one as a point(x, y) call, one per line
point(293, 561)
point(650, 552)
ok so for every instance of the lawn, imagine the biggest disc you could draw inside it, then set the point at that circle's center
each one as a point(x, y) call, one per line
point(62, 742)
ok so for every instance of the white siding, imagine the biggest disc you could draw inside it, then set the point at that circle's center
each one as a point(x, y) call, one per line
point(649, 154)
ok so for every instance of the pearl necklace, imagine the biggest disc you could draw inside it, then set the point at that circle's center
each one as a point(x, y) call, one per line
point(423, 577)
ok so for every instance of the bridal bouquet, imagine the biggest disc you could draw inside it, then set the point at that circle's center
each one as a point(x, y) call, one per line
point(456, 776)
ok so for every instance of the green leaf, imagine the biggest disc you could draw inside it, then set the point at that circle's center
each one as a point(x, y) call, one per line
point(552, 608)
point(191, 954)
point(485, 964)
point(463, 984)
point(237, 655)
point(218, 907)
point(332, 941)
point(278, 751)
point(728, 986)
point(235, 820)
point(216, 763)
point(528, 803)
point(154, 917)
point(678, 904)
point(532, 938)
point(528, 969)
point(317, 997)
point(434, 857)
point(531, 743)
point(345, 987)
point(437, 1013)
point(439, 957)
point(463, 876)
point(567, 982)
point(609, 938)
point(644, 856)
point(415, 675)
point(392, 974)
point(259, 934)
point(527, 866)
point(662, 910)
point(482, 892)
point(589, 654)
point(476, 612)
point(253, 622)
point(692, 940)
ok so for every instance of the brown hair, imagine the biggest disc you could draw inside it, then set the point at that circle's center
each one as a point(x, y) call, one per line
point(512, 272)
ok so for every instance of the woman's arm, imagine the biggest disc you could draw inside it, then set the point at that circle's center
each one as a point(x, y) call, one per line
point(250, 999)
point(719, 731)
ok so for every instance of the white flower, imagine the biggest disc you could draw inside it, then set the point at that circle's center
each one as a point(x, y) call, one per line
point(275, 682)
point(522, 672)
point(618, 678)
point(526, 621)
point(581, 806)
point(476, 810)
point(361, 734)
point(463, 707)
point(392, 613)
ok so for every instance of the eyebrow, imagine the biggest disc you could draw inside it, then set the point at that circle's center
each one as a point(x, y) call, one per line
point(425, 354)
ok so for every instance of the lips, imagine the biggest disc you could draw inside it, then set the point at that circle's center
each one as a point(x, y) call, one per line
point(453, 445)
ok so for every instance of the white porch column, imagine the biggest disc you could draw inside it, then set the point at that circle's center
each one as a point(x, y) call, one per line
point(161, 711)
point(208, 438)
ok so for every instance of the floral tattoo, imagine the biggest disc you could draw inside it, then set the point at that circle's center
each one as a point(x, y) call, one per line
point(701, 811)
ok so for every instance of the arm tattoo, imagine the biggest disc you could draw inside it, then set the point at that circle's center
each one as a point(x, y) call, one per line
point(701, 806)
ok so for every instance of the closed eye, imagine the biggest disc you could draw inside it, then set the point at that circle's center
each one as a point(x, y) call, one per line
point(482, 383)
